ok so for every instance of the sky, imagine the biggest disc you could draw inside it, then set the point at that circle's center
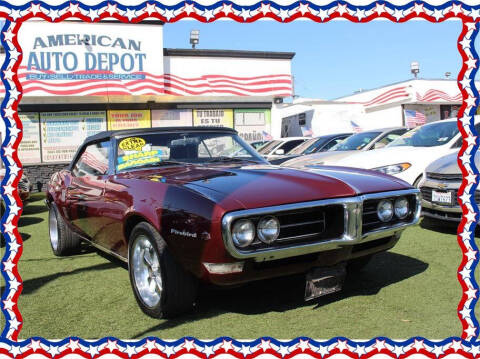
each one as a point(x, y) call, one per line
point(337, 58)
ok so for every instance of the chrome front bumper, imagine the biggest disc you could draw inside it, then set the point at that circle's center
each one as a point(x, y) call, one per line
point(353, 211)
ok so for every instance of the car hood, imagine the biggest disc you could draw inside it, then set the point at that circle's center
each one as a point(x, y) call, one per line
point(324, 158)
point(417, 156)
point(448, 164)
point(264, 185)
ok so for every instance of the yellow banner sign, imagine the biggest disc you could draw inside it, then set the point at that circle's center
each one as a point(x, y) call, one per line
point(126, 119)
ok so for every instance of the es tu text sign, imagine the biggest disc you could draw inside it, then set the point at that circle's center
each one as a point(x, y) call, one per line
point(213, 118)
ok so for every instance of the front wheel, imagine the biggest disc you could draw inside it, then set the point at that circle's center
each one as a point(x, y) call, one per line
point(161, 286)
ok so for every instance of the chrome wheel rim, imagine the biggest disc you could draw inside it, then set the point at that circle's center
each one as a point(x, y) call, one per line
point(146, 271)
point(53, 229)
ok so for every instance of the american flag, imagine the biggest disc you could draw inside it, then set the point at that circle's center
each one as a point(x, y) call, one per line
point(267, 136)
point(414, 118)
point(355, 127)
point(307, 131)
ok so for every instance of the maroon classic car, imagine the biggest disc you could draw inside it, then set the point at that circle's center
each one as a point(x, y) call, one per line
point(192, 204)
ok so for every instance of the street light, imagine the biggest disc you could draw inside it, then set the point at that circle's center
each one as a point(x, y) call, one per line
point(194, 37)
point(414, 68)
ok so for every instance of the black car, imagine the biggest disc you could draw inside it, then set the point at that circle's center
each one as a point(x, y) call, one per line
point(317, 144)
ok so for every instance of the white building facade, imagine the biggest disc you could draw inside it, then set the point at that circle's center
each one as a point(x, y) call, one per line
point(409, 104)
point(78, 79)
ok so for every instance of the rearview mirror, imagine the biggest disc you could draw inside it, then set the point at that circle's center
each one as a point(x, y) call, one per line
point(185, 141)
point(280, 152)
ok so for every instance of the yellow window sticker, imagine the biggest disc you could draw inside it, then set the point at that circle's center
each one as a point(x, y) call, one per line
point(132, 144)
point(139, 159)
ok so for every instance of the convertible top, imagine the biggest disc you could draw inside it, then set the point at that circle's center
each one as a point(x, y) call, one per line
point(108, 134)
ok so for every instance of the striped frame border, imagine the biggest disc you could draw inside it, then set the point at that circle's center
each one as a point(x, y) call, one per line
point(466, 346)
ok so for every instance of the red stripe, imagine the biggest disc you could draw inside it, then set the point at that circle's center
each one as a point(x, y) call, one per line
point(387, 93)
point(388, 97)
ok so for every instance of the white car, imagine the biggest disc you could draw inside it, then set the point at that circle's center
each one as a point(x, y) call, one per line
point(409, 155)
point(439, 188)
point(363, 141)
point(277, 148)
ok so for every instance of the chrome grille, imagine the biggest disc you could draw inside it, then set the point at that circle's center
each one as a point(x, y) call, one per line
point(305, 225)
point(370, 220)
point(454, 177)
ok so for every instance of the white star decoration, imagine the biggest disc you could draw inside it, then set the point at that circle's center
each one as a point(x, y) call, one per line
point(475, 13)
point(360, 14)
point(265, 8)
point(245, 14)
point(303, 8)
point(283, 350)
point(74, 8)
point(208, 14)
point(150, 8)
point(8, 35)
point(283, 14)
point(15, 14)
point(53, 14)
point(34, 8)
point(398, 14)
point(130, 14)
point(112, 9)
point(93, 14)
point(323, 14)
point(342, 9)
point(227, 9)
point(380, 9)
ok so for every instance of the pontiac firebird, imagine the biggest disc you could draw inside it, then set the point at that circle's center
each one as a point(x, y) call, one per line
point(188, 205)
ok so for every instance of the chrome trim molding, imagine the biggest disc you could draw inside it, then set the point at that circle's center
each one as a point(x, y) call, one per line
point(353, 208)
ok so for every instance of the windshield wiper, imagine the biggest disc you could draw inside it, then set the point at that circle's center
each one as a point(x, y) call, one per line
point(229, 159)
point(159, 164)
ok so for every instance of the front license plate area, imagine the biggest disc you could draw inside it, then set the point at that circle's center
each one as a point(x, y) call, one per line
point(442, 197)
point(323, 281)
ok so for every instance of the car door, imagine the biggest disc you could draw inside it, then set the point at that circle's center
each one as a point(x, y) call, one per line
point(85, 192)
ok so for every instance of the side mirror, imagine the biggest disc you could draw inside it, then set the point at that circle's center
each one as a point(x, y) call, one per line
point(379, 145)
point(280, 152)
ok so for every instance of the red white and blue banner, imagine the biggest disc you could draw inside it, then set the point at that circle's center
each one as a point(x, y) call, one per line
point(466, 345)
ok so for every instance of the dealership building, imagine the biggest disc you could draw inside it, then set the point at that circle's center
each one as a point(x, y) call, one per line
point(79, 79)
point(404, 104)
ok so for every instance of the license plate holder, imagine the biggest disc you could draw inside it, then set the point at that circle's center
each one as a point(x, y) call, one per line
point(324, 280)
point(442, 197)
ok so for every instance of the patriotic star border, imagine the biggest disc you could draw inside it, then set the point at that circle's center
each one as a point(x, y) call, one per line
point(466, 346)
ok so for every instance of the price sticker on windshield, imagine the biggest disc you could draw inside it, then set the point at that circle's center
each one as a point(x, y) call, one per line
point(132, 144)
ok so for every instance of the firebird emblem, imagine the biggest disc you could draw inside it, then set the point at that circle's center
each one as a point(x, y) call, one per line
point(183, 233)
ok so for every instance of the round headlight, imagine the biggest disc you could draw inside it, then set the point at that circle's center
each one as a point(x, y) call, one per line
point(268, 229)
point(401, 207)
point(243, 233)
point(385, 210)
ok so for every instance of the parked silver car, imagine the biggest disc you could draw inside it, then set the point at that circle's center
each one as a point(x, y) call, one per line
point(439, 188)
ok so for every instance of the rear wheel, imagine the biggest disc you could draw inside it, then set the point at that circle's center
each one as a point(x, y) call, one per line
point(62, 240)
point(161, 286)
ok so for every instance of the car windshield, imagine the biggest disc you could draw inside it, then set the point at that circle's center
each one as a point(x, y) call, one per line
point(356, 142)
point(268, 147)
point(160, 149)
point(304, 147)
point(435, 134)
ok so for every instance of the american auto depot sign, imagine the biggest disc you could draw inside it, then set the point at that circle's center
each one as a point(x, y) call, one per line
point(78, 59)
